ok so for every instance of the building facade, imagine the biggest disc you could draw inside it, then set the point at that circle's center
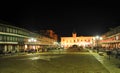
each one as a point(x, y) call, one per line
point(111, 39)
point(84, 41)
point(14, 39)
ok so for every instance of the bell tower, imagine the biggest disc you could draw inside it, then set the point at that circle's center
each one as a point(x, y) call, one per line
point(74, 34)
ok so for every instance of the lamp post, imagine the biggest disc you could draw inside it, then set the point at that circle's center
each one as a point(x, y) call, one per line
point(33, 40)
point(97, 42)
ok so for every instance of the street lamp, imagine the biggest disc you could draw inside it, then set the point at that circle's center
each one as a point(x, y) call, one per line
point(97, 41)
point(33, 40)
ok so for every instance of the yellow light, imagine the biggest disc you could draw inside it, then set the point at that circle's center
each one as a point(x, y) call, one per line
point(97, 37)
point(33, 47)
point(101, 38)
point(25, 46)
point(32, 40)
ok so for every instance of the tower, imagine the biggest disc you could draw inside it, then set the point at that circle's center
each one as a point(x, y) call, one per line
point(74, 34)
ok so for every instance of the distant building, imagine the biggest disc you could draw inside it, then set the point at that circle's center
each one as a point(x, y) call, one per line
point(49, 33)
point(83, 41)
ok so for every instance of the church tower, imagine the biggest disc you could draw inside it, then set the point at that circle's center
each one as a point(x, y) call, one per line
point(74, 34)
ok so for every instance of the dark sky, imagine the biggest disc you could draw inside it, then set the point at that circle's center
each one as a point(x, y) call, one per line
point(62, 18)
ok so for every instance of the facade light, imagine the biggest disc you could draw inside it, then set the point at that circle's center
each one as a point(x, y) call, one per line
point(32, 40)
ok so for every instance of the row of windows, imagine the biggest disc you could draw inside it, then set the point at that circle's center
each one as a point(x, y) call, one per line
point(12, 30)
point(113, 38)
point(10, 38)
point(76, 41)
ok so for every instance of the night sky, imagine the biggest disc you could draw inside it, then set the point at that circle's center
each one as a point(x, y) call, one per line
point(62, 18)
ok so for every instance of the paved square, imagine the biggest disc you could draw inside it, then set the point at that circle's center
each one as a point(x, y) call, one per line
point(65, 63)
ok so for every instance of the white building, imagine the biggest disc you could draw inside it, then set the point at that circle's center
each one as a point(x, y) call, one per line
point(83, 41)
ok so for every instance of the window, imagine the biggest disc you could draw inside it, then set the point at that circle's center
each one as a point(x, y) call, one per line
point(67, 41)
point(0, 37)
point(74, 41)
point(4, 38)
point(16, 31)
point(8, 30)
point(77, 40)
point(8, 38)
point(11, 38)
point(3, 29)
point(88, 40)
point(13, 30)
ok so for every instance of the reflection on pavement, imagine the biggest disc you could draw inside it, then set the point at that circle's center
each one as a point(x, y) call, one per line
point(47, 58)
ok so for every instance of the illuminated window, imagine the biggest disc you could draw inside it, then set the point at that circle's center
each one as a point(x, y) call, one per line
point(88, 40)
point(67, 41)
point(77, 40)
point(74, 41)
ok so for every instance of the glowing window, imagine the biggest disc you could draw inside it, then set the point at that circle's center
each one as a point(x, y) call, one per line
point(74, 40)
point(77, 40)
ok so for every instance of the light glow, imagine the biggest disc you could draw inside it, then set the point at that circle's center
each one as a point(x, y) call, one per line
point(32, 40)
